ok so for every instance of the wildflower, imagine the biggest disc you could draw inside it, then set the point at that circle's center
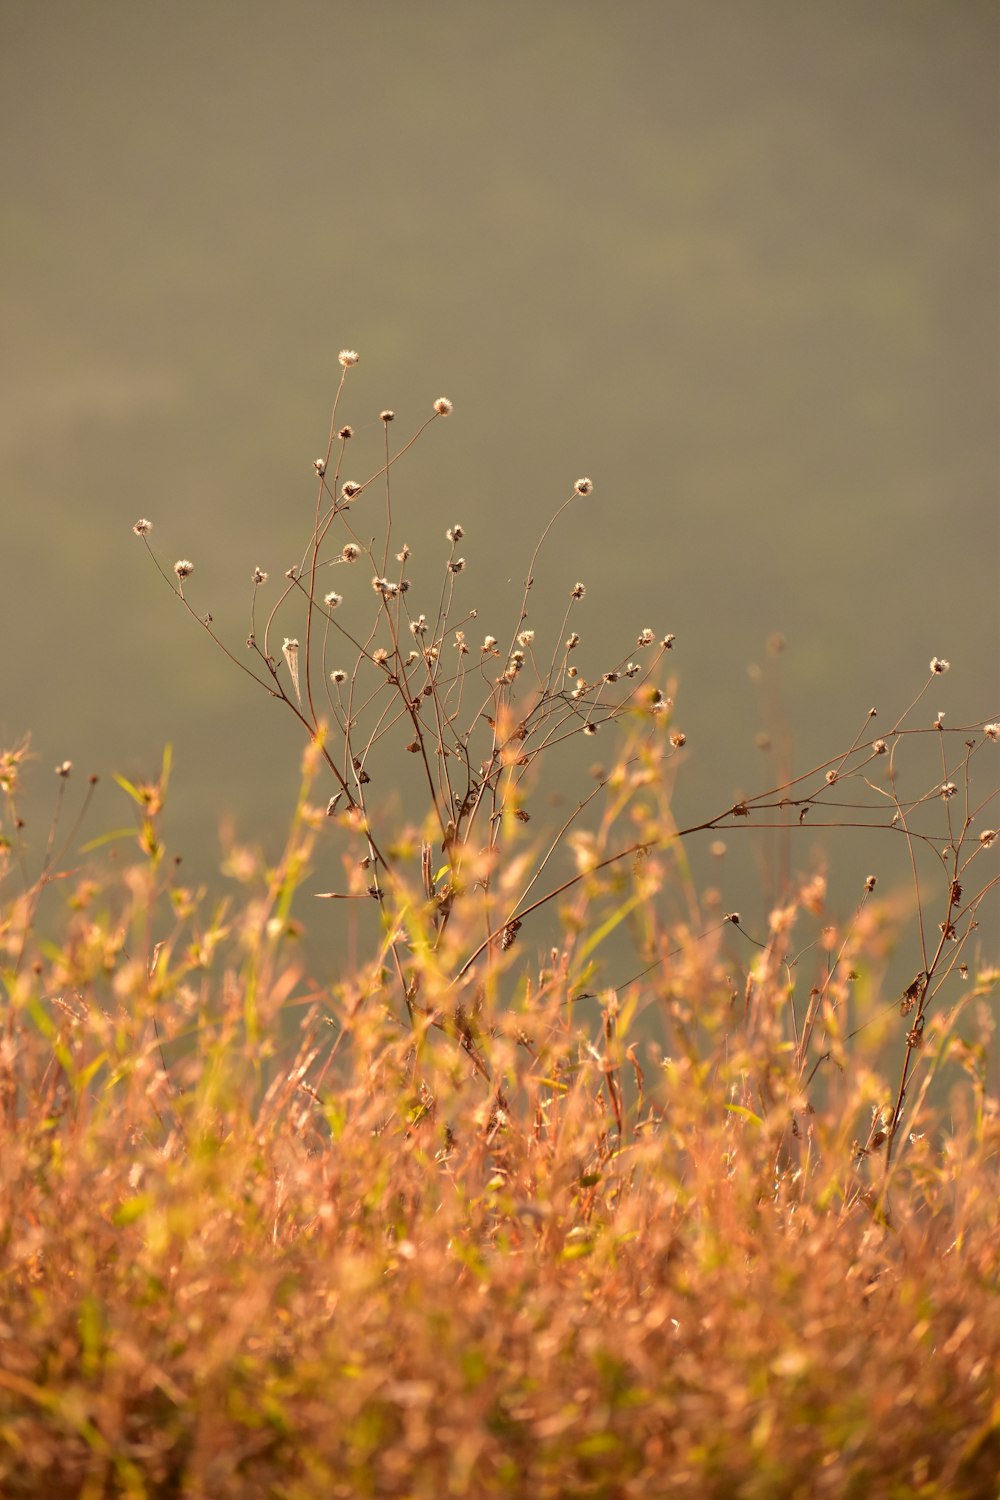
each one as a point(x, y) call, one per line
point(338, 676)
point(349, 489)
point(387, 416)
point(992, 731)
point(490, 643)
point(939, 665)
point(443, 406)
point(350, 552)
point(348, 357)
point(331, 600)
point(455, 533)
point(64, 769)
point(645, 637)
point(319, 464)
point(988, 837)
point(456, 565)
point(380, 657)
point(583, 486)
point(183, 568)
point(259, 576)
point(142, 527)
point(526, 637)
point(345, 433)
point(879, 747)
point(578, 590)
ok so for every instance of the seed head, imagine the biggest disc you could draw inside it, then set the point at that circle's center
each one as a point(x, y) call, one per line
point(526, 637)
point(988, 837)
point(183, 568)
point(338, 676)
point(350, 552)
point(645, 637)
point(349, 489)
point(678, 738)
point(667, 644)
point(583, 486)
point(456, 565)
point(331, 600)
point(578, 590)
point(345, 433)
point(880, 747)
point(455, 533)
point(64, 769)
point(939, 665)
point(380, 657)
point(831, 777)
point(948, 789)
point(259, 576)
point(387, 416)
point(142, 527)
point(419, 625)
point(490, 643)
point(319, 464)
point(443, 406)
point(404, 554)
point(348, 357)
point(870, 883)
point(572, 641)
point(992, 731)
point(590, 729)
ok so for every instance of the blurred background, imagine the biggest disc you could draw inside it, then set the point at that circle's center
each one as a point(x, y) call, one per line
point(736, 262)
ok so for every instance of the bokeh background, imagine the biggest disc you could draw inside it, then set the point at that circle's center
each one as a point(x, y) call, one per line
point(735, 261)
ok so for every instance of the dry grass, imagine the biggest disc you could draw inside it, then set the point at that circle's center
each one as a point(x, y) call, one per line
point(472, 1219)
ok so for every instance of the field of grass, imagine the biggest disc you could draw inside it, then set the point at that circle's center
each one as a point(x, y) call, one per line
point(475, 1216)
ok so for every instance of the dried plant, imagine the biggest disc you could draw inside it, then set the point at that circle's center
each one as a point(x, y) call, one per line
point(572, 1182)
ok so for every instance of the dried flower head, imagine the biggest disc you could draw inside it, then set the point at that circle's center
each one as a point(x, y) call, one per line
point(632, 669)
point(345, 433)
point(350, 552)
point(490, 643)
point(419, 625)
point(947, 789)
point(380, 657)
point(678, 738)
point(443, 406)
point(64, 769)
point(870, 883)
point(667, 644)
point(387, 416)
point(183, 568)
point(526, 637)
point(142, 527)
point(645, 637)
point(988, 837)
point(590, 728)
point(332, 600)
point(455, 533)
point(348, 357)
point(992, 731)
point(456, 565)
point(338, 676)
point(583, 486)
point(259, 576)
point(403, 555)
point(290, 651)
point(831, 777)
point(939, 665)
point(880, 747)
point(349, 489)
point(578, 590)
point(319, 464)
